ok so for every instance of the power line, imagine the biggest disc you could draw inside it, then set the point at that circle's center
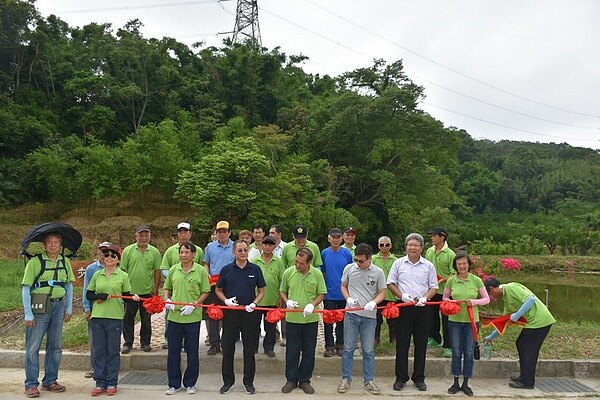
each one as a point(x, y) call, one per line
point(447, 67)
point(142, 7)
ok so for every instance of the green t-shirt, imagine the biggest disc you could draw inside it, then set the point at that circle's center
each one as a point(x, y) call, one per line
point(515, 295)
point(186, 288)
point(117, 283)
point(386, 266)
point(140, 267)
point(171, 256)
point(350, 249)
point(442, 262)
point(272, 272)
point(302, 289)
point(34, 266)
point(289, 254)
point(464, 290)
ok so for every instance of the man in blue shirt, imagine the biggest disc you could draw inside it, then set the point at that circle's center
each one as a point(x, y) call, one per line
point(335, 259)
point(218, 254)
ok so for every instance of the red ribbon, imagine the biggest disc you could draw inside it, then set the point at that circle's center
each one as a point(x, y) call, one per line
point(333, 316)
point(449, 308)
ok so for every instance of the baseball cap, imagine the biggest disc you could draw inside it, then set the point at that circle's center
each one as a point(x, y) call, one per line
point(184, 225)
point(104, 244)
point(142, 228)
point(349, 229)
point(335, 232)
point(300, 231)
point(438, 231)
point(222, 225)
point(115, 249)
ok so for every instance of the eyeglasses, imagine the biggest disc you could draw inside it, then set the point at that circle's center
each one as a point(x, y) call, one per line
point(242, 250)
point(412, 245)
point(385, 244)
point(109, 254)
point(356, 260)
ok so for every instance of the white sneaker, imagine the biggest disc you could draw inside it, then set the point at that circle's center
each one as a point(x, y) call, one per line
point(372, 387)
point(172, 390)
point(344, 385)
point(191, 390)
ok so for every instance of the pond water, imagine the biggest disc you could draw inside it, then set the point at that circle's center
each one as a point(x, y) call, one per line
point(576, 300)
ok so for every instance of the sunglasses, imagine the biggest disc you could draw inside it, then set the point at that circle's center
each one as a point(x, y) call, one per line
point(385, 244)
point(356, 260)
point(110, 254)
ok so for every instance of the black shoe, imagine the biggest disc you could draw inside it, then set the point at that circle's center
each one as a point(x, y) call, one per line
point(250, 389)
point(338, 352)
point(289, 386)
point(225, 389)
point(306, 387)
point(398, 385)
point(515, 377)
point(466, 390)
point(328, 353)
point(126, 349)
point(214, 349)
point(270, 353)
point(147, 348)
point(421, 386)
point(453, 389)
point(519, 385)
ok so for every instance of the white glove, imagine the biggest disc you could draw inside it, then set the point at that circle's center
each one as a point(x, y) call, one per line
point(370, 306)
point(421, 302)
point(232, 301)
point(351, 303)
point(250, 307)
point(170, 305)
point(308, 309)
point(291, 304)
point(408, 298)
point(187, 310)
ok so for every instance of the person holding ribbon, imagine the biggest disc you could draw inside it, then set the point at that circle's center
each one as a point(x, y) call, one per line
point(468, 289)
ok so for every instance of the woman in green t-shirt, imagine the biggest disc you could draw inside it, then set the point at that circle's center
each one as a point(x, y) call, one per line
point(470, 291)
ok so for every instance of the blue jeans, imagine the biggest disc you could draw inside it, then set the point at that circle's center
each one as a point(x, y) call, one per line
point(301, 342)
point(355, 325)
point(463, 348)
point(49, 324)
point(106, 342)
point(189, 334)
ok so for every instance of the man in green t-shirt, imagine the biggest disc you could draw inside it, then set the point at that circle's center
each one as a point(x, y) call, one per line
point(302, 287)
point(300, 233)
point(141, 261)
point(384, 260)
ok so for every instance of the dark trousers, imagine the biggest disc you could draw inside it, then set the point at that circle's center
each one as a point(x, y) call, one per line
point(413, 322)
point(106, 342)
point(269, 339)
point(529, 343)
point(176, 333)
point(301, 342)
point(235, 322)
point(213, 326)
point(391, 323)
point(435, 324)
point(339, 327)
point(131, 309)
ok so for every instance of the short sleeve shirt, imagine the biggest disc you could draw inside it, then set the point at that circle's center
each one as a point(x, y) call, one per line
point(64, 274)
point(140, 266)
point(272, 272)
point(116, 283)
point(302, 289)
point(414, 278)
point(289, 253)
point(386, 266)
point(515, 295)
point(466, 289)
point(218, 256)
point(333, 266)
point(171, 256)
point(186, 288)
point(363, 285)
point(442, 262)
point(241, 282)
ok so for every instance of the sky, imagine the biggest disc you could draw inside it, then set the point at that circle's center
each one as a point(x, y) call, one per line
point(525, 70)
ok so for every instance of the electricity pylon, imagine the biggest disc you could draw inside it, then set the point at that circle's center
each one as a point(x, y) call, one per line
point(246, 22)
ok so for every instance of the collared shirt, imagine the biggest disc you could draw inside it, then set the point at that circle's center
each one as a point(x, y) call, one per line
point(217, 256)
point(363, 285)
point(117, 283)
point(515, 295)
point(289, 253)
point(386, 266)
point(90, 270)
point(334, 262)
point(241, 282)
point(413, 278)
point(140, 266)
point(464, 289)
point(186, 288)
point(171, 256)
point(302, 289)
point(279, 249)
point(272, 272)
point(34, 266)
point(442, 261)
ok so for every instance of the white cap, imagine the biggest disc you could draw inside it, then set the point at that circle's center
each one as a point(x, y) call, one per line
point(183, 225)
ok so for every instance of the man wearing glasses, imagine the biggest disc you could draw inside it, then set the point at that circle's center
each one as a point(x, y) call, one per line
point(384, 260)
point(363, 285)
point(240, 283)
point(412, 279)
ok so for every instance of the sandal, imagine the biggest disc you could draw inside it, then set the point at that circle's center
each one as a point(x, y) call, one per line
point(55, 387)
point(89, 374)
point(32, 392)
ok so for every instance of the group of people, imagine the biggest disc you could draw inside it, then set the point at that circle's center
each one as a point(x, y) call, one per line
point(267, 273)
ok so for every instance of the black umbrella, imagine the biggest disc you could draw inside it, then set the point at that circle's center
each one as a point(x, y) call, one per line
point(71, 238)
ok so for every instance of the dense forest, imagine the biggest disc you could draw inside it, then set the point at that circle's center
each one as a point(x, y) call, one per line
point(243, 133)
